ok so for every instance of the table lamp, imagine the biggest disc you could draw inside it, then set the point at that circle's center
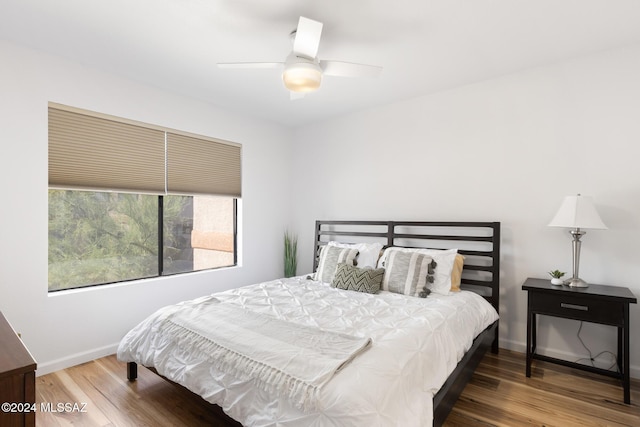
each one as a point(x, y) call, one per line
point(576, 213)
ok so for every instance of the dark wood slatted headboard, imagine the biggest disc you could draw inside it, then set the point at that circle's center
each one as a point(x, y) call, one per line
point(479, 242)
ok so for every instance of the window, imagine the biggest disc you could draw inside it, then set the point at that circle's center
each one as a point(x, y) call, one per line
point(99, 237)
point(113, 215)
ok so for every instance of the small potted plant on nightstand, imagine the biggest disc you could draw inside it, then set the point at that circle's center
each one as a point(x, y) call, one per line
point(556, 277)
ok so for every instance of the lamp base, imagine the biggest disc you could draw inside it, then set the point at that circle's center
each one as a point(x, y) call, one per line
point(576, 283)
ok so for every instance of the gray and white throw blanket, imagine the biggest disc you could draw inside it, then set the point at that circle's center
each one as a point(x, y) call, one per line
point(281, 357)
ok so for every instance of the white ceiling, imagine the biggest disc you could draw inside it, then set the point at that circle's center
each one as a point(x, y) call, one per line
point(424, 45)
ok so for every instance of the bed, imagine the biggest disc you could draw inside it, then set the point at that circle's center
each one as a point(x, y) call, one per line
point(400, 356)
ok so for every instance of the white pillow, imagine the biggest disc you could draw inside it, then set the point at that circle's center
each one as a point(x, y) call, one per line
point(445, 260)
point(368, 253)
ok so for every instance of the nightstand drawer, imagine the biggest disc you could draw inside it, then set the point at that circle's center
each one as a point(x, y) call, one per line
point(578, 308)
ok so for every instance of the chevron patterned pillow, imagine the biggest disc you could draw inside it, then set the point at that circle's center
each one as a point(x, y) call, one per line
point(351, 278)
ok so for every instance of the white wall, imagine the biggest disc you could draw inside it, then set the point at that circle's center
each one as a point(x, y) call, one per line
point(504, 150)
point(72, 327)
point(508, 149)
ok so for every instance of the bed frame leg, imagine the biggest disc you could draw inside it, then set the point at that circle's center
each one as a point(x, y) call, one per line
point(494, 344)
point(132, 371)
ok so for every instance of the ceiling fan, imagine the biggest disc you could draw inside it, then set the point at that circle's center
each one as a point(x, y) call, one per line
point(303, 70)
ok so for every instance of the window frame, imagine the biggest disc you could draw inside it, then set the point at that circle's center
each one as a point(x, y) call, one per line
point(160, 247)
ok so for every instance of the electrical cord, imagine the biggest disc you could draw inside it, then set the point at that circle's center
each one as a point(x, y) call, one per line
point(592, 358)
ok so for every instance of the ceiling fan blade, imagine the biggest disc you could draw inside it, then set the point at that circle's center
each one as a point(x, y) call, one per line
point(307, 37)
point(250, 65)
point(349, 69)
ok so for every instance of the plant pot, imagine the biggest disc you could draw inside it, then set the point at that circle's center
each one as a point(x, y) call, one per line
point(555, 281)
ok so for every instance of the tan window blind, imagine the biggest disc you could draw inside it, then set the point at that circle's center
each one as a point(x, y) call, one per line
point(201, 166)
point(98, 152)
point(88, 152)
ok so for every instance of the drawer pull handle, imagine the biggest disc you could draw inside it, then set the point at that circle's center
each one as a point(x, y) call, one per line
point(574, 306)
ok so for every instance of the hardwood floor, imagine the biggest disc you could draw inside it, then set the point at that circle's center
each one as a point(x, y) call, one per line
point(114, 401)
point(498, 395)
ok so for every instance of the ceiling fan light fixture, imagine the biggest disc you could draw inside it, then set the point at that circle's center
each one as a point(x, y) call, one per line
point(302, 76)
point(302, 71)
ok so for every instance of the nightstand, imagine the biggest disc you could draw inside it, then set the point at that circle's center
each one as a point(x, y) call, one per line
point(606, 305)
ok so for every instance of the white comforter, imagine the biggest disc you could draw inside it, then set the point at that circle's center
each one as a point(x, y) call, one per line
point(416, 344)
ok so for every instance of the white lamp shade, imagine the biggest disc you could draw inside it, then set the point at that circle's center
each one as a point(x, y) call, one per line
point(577, 212)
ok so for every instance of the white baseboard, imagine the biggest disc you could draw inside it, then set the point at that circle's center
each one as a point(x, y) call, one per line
point(634, 371)
point(76, 359)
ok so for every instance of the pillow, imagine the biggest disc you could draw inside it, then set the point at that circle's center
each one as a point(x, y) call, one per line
point(407, 273)
point(330, 257)
point(351, 278)
point(445, 260)
point(456, 273)
point(368, 252)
